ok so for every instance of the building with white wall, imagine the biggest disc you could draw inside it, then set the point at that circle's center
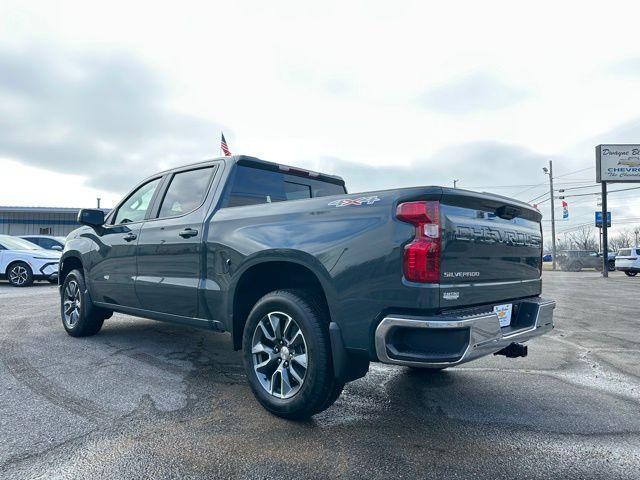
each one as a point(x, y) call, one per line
point(38, 220)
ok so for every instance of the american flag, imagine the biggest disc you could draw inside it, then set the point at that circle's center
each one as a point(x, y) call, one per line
point(224, 147)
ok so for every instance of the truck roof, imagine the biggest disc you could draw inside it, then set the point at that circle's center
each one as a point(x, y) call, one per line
point(266, 165)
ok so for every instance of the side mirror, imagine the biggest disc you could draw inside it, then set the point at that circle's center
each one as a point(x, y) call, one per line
point(91, 216)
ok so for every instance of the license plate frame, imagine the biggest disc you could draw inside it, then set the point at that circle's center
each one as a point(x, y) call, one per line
point(504, 313)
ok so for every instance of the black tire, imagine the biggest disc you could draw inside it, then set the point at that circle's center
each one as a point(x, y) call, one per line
point(630, 274)
point(333, 396)
point(20, 274)
point(612, 267)
point(52, 281)
point(80, 318)
point(426, 370)
point(318, 389)
point(575, 267)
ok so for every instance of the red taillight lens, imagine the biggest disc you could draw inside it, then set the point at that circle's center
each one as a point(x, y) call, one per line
point(421, 259)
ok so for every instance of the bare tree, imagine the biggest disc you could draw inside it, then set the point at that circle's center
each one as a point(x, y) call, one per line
point(583, 239)
point(623, 239)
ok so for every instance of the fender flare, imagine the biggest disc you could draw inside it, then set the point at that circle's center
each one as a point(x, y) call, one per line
point(283, 255)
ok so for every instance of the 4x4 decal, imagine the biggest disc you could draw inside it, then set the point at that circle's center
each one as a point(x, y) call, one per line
point(355, 201)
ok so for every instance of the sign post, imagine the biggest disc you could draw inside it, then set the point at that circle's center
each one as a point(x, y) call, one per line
point(599, 226)
point(605, 239)
point(614, 164)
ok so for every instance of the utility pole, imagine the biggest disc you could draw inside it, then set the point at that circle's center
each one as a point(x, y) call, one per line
point(600, 239)
point(553, 214)
point(637, 232)
point(98, 202)
point(455, 182)
point(605, 241)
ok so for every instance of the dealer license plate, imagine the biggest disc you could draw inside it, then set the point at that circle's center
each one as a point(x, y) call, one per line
point(504, 313)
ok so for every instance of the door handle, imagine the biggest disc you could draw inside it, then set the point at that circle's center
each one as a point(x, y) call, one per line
point(130, 237)
point(188, 232)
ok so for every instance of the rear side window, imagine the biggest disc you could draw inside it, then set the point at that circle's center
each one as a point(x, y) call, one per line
point(186, 192)
point(251, 186)
point(624, 253)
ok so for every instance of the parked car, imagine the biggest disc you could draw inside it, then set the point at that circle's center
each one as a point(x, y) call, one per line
point(22, 262)
point(48, 242)
point(576, 260)
point(547, 257)
point(611, 258)
point(312, 283)
point(628, 261)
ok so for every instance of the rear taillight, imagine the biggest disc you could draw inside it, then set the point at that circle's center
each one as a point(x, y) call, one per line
point(421, 258)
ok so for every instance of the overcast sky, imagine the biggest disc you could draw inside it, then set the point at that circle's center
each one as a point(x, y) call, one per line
point(95, 96)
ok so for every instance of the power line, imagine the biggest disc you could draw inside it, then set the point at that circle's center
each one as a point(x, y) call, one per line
point(576, 188)
point(598, 193)
point(539, 196)
point(571, 173)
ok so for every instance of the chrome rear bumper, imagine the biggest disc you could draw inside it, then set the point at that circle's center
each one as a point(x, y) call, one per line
point(475, 335)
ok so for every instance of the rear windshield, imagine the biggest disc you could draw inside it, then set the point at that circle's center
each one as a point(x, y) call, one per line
point(624, 253)
point(251, 186)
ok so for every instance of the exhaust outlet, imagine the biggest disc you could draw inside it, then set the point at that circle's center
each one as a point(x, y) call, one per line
point(514, 350)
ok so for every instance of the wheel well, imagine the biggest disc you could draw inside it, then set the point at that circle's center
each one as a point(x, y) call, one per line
point(13, 263)
point(69, 263)
point(266, 277)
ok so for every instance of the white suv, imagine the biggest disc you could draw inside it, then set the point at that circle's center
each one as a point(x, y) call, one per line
point(628, 261)
point(22, 262)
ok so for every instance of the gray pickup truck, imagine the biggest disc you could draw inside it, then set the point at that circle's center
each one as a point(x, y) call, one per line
point(312, 283)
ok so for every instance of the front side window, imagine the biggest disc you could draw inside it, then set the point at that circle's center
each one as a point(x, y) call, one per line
point(186, 192)
point(135, 207)
point(48, 243)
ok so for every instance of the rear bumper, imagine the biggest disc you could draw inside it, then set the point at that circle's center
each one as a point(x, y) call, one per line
point(442, 341)
point(624, 268)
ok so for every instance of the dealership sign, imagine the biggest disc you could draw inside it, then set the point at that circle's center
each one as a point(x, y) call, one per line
point(618, 163)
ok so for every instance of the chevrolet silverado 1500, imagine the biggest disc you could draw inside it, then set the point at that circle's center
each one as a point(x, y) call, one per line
point(312, 283)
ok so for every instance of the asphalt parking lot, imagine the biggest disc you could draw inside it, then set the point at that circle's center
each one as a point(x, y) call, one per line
point(144, 399)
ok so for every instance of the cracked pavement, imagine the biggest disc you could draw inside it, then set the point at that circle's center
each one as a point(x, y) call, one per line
point(152, 400)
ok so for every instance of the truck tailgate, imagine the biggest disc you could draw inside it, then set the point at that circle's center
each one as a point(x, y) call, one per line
point(491, 249)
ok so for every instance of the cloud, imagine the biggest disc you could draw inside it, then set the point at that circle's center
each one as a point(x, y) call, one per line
point(489, 165)
point(307, 78)
point(475, 92)
point(101, 115)
point(629, 67)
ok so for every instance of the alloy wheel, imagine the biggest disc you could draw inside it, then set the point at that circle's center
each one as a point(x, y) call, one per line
point(71, 304)
point(18, 275)
point(279, 353)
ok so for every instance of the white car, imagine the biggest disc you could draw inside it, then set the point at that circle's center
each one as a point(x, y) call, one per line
point(628, 261)
point(22, 262)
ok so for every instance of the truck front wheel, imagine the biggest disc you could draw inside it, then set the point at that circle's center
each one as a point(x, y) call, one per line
point(79, 317)
point(287, 354)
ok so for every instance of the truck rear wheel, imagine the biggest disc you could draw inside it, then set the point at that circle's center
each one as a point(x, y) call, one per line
point(287, 354)
point(630, 274)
